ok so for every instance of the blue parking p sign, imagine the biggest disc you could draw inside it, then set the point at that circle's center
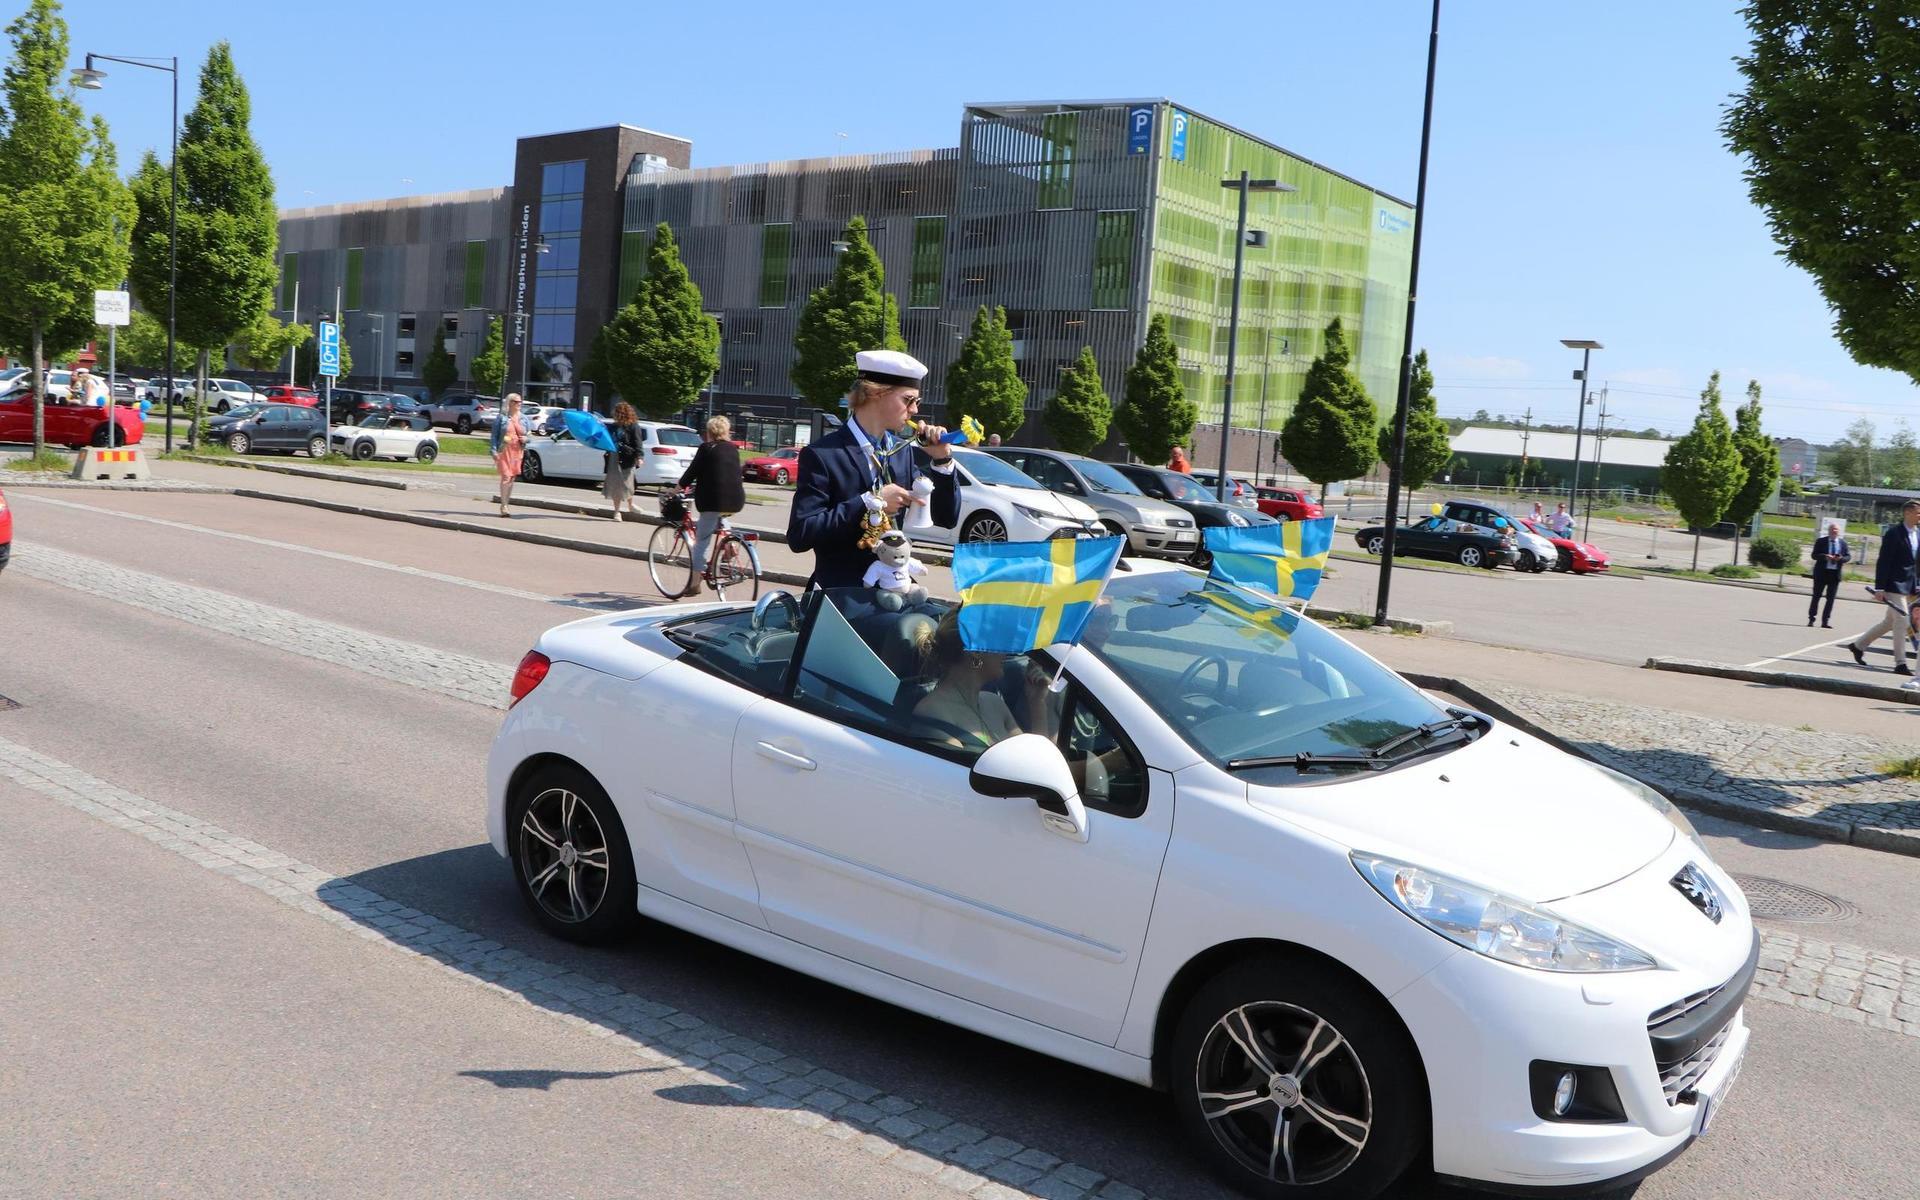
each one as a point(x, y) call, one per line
point(330, 348)
point(1140, 129)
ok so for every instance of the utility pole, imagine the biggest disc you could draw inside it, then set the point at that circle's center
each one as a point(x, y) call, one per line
point(1599, 448)
point(1526, 436)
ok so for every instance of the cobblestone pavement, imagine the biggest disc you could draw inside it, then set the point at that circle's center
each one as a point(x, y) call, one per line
point(1828, 784)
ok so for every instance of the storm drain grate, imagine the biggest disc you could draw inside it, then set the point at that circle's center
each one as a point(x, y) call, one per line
point(1778, 900)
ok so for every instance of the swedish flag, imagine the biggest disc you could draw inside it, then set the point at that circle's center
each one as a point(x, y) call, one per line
point(1258, 617)
point(1021, 596)
point(1285, 559)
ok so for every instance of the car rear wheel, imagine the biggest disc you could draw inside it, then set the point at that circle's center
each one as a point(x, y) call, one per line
point(427, 452)
point(1120, 531)
point(462, 425)
point(530, 468)
point(984, 527)
point(780, 475)
point(316, 446)
point(362, 450)
point(239, 443)
point(1292, 1080)
point(1472, 556)
point(1528, 562)
point(1377, 544)
point(570, 856)
point(105, 431)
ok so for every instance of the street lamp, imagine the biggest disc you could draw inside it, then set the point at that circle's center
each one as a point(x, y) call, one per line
point(379, 350)
point(1586, 347)
point(1242, 185)
point(1266, 370)
point(88, 78)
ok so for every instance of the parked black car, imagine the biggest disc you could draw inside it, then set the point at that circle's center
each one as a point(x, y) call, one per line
point(1183, 491)
point(1440, 537)
point(280, 427)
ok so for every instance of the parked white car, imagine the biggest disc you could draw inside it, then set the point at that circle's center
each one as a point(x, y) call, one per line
point(1000, 503)
point(666, 451)
point(384, 435)
point(1345, 926)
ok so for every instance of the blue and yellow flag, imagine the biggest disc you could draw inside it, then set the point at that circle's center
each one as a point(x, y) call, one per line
point(1021, 596)
point(1285, 559)
point(1261, 617)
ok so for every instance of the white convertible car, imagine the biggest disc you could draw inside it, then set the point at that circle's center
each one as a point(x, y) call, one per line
point(1344, 926)
point(384, 435)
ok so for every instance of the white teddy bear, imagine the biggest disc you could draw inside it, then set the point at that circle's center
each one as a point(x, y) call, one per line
point(893, 572)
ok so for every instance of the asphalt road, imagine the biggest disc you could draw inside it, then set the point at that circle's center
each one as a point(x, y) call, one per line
point(292, 1056)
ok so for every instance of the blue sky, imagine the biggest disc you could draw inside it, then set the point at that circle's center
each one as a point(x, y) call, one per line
point(1578, 185)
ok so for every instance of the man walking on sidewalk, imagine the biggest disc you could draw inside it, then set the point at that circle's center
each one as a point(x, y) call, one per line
point(1894, 584)
point(1830, 557)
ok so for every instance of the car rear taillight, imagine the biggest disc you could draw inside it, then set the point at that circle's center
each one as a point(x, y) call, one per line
point(664, 450)
point(527, 676)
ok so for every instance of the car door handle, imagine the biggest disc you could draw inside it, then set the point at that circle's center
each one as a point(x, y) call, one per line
point(785, 757)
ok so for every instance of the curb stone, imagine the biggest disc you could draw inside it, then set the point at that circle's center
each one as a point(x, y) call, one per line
point(1791, 679)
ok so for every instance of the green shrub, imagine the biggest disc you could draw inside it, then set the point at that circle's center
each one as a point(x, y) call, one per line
point(1734, 571)
point(1773, 552)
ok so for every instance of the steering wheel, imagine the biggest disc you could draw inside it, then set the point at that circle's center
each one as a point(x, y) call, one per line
point(766, 604)
point(1188, 676)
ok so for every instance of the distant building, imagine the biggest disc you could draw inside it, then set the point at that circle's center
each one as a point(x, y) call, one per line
point(1799, 459)
point(1491, 455)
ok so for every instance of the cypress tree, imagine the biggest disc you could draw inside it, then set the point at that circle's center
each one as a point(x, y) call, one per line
point(1703, 471)
point(489, 367)
point(1428, 449)
point(842, 319)
point(1759, 456)
point(1330, 435)
point(1156, 415)
point(438, 371)
point(1078, 414)
point(983, 382)
point(662, 349)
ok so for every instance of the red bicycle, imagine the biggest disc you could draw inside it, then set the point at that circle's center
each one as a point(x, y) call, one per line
point(733, 563)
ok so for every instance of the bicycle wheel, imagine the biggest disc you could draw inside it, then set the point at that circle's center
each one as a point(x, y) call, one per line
point(736, 566)
point(670, 561)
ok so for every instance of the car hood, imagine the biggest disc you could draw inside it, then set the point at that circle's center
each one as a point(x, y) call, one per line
point(1066, 508)
point(1507, 812)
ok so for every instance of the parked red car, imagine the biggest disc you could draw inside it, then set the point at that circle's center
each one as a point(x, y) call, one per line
point(782, 466)
point(1287, 502)
point(6, 532)
point(71, 425)
point(286, 393)
point(1582, 558)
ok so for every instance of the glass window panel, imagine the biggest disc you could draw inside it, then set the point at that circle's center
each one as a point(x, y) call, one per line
point(929, 261)
point(557, 291)
point(355, 259)
point(776, 261)
point(1113, 260)
point(559, 216)
point(551, 178)
point(576, 177)
point(563, 254)
point(1058, 131)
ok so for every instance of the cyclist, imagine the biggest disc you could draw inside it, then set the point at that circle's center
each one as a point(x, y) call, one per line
point(714, 476)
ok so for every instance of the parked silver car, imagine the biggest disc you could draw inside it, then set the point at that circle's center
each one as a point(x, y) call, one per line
point(1150, 526)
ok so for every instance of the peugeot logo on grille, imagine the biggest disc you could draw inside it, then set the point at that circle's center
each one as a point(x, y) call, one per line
point(1693, 883)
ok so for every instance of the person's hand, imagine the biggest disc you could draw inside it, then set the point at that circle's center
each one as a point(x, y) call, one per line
point(936, 449)
point(893, 497)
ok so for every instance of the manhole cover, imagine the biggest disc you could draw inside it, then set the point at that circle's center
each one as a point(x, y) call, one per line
point(1777, 900)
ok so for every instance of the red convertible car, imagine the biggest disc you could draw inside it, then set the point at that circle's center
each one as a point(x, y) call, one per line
point(1290, 503)
point(72, 425)
point(1582, 558)
point(779, 467)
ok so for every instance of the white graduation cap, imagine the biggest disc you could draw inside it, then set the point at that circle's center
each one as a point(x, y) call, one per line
point(890, 367)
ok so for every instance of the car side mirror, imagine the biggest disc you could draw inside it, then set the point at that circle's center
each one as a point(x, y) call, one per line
point(1031, 767)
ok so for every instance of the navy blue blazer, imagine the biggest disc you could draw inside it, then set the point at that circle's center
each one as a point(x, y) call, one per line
point(827, 509)
point(1894, 571)
point(1820, 565)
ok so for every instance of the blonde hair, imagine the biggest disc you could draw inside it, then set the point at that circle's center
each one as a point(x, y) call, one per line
point(718, 428)
point(512, 400)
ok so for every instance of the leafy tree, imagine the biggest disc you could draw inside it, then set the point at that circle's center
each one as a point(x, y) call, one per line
point(438, 371)
point(143, 343)
point(662, 349)
point(1329, 434)
point(1851, 462)
point(65, 216)
point(1826, 125)
point(1759, 456)
point(1078, 414)
point(982, 381)
point(262, 344)
point(842, 319)
point(598, 368)
point(1703, 471)
point(227, 220)
point(1900, 463)
point(1428, 450)
point(489, 367)
point(1156, 415)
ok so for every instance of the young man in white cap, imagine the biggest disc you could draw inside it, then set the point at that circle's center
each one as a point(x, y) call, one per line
point(856, 481)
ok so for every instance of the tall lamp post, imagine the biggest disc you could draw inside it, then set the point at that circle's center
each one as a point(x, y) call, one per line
point(1266, 370)
point(1242, 185)
point(379, 350)
point(1404, 397)
point(1586, 347)
point(89, 78)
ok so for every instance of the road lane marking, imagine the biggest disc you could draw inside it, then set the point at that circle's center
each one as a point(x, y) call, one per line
point(893, 1129)
point(356, 560)
point(1796, 653)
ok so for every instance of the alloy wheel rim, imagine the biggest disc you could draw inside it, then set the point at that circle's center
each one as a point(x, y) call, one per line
point(1470, 556)
point(1284, 1093)
point(987, 529)
point(1376, 546)
point(564, 856)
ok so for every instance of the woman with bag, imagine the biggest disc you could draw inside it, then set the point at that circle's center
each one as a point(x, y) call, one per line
point(509, 443)
point(714, 476)
point(620, 461)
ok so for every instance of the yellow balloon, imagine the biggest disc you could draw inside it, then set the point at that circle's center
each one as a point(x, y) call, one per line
point(1436, 510)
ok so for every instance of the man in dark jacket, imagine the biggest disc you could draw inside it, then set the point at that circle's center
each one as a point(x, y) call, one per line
point(714, 476)
point(1831, 554)
point(858, 479)
point(1894, 585)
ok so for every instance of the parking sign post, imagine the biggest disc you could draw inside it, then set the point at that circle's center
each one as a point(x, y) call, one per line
point(329, 367)
point(112, 309)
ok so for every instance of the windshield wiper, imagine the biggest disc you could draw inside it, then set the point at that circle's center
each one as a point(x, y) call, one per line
point(1460, 720)
point(1306, 759)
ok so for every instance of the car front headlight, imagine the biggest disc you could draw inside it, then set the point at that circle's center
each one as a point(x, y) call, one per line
point(1234, 518)
point(1500, 927)
point(1034, 514)
point(1657, 803)
point(1156, 520)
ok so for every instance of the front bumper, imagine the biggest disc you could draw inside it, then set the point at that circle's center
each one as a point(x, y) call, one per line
point(1177, 543)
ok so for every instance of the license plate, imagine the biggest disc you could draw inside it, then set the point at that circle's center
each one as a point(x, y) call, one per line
point(1710, 1104)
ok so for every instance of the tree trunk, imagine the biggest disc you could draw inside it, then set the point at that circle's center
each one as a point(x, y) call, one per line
point(1696, 551)
point(39, 395)
point(199, 400)
point(1736, 543)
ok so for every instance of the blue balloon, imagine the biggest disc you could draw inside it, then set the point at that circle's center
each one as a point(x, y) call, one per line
point(1499, 522)
point(145, 405)
point(588, 429)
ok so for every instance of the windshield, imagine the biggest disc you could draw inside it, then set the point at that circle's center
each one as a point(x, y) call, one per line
point(244, 410)
point(1183, 487)
point(671, 435)
point(988, 469)
point(1240, 677)
point(1105, 479)
point(376, 421)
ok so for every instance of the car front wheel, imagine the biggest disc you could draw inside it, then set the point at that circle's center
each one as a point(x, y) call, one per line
point(239, 443)
point(316, 447)
point(1562, 559)
point(362, 451)
point(1471, 556)
point(463, 426)
point(570, 856)
point(984, 527)
point(1293, 1080)
point(780, 476)
point(1376, 544)
point(530, 468)
point(427, 452)
point(1527, 561)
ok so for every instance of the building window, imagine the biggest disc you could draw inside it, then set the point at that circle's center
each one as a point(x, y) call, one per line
point(1058, 132)
point(1113, 259)
point(452, 323)
point(289, 280)
point(929, 261)
point(557, 272)
point(403, 362)
point(407, 324)
point(354, 265)
point(476, 284)
point(633, 265)
point(776, 261)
